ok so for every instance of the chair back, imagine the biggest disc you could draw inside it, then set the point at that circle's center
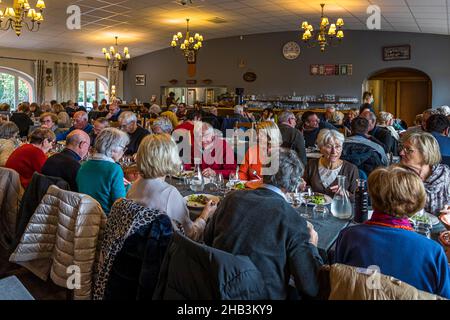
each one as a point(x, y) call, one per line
point(11, 193)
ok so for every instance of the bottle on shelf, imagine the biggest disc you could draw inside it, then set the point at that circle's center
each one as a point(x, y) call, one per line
point(341, 207)
point(361, 202)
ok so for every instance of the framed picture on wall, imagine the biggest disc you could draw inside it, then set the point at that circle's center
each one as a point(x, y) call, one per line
point(140, 79)
point(397, 53)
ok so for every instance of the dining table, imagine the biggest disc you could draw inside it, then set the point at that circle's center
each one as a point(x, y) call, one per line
point(327, 227)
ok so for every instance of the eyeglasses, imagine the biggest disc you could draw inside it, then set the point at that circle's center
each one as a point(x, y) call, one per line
point(336, 147)
point(406, 149)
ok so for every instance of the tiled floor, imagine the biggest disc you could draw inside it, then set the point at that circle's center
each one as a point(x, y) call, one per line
point(40, 290)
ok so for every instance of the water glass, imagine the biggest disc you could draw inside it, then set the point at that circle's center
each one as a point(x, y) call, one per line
point(220, 182)
point(424, 228)
point(320, 212)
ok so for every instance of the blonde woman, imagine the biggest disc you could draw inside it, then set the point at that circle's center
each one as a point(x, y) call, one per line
point(388, 240)
point(420, 153)
point(158, 157)
point(269, 139)
point(386, 120)
point(63, 116)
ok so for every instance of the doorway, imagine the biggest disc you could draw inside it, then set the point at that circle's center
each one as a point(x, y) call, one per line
point(404, 92)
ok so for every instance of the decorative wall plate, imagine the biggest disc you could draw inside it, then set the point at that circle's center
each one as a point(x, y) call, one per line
point(249, 76)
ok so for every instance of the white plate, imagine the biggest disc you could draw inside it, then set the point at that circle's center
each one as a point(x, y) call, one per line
point(193, 204)
point(186, 173)
point(328, 199)
point(433, 219)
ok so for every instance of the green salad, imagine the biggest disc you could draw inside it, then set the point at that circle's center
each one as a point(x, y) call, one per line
point(198, 198)
point(239, 186)
point(316, 199)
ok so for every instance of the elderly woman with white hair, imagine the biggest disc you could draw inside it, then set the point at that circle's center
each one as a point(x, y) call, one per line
point(101, 177)
point(420, 153)
point(386, 120)
point(158, 157)
point(162, 125)
point(321, 174)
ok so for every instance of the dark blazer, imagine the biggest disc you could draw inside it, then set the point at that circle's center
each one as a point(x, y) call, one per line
point(385, 137)
point(64, 165)
point(311, 136)
point(364, 157)
point(23, 121)
point(193, 271)
point(32, 197)
point(262, 225)
point(293, 139)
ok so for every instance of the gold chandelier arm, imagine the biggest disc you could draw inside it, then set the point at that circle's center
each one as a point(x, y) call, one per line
point(8, 25)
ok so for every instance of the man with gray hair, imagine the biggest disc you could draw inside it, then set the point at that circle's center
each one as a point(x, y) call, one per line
point(128, 124)
point(262, 225)
point(80, 122)
point(66, 164)
point(378, 134)
point(292, 137)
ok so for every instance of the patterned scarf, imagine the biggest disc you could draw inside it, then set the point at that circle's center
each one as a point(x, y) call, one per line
point(386, 220)
point(125, 219)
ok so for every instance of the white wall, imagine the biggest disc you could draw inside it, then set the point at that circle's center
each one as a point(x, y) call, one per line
point(28, 66)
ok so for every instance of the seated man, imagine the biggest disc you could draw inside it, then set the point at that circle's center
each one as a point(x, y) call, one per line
point(439, 126)
point(99, 125)
point(312, 126)
point(128, 124)
point(360, 150)
point(262, 225)
point(217, 157)
point(292, 137)
point(80, 121)
point(378, 134)
point(114, 111)
point(66, 164)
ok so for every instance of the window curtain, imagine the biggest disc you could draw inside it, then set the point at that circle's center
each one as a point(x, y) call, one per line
point(39, 79)
point(66, 81)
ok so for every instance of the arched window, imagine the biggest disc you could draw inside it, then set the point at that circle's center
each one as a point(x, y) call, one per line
point(15, 87)
point(91, 87)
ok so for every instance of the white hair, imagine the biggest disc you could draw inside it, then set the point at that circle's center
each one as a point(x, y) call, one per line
point(444, 110)
point(109, 140)
point(238, 109)
point(128, 117)
point(327, 135)
point(384, 117)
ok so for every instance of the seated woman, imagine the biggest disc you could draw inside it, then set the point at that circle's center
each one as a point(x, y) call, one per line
point(29, 158)
point(321, 174)
point(269, 137)
point(157, 157)
point(420, 153)
point(101, 177)
point(217, 156)
point(49, 120)
point(9, 132)
point(388, 240)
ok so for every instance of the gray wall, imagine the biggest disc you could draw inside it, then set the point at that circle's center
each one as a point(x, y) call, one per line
point(218, 60)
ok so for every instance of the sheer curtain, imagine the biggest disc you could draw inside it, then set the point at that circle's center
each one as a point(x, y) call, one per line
point(39, 76)
point(66, 80)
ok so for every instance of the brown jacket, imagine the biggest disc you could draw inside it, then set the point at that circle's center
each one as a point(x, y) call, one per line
point(65, 230)
point(11, 192)
point(351, 283)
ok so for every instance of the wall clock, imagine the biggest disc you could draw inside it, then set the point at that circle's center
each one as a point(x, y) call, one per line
point(291, 50)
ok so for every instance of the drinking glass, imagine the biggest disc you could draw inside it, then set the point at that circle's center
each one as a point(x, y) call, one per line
point(320, 212)
point(220, 182)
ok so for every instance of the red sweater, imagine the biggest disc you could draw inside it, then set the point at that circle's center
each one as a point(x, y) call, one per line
point(26, 160)
point(216, 159)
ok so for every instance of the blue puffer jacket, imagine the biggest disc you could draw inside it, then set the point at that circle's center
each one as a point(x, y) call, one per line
point(193, 271)
point(362, 156)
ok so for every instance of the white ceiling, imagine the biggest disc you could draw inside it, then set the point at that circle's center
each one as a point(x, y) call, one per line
point(148, 25)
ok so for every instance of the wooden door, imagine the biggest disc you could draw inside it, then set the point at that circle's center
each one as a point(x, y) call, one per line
point(390, 96)
point(413, 99)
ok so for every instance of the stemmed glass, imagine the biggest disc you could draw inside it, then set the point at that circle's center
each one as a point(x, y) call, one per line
point(220, 182)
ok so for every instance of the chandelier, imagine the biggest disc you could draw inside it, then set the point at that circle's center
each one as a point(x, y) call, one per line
point(190, 46)
point(114, 56)
point(21, 14)
point(326, 35)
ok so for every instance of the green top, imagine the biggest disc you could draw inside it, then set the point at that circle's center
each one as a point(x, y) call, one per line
point(103, 181)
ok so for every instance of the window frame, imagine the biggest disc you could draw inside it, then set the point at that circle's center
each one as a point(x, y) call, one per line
point(25, 77)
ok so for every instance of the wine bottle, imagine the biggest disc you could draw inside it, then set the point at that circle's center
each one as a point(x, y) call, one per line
point(361, 202)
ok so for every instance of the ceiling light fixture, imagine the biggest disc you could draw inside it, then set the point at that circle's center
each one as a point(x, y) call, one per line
point(326, 35)
point(114, 56)
point(190, 46)
point(17, 16)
